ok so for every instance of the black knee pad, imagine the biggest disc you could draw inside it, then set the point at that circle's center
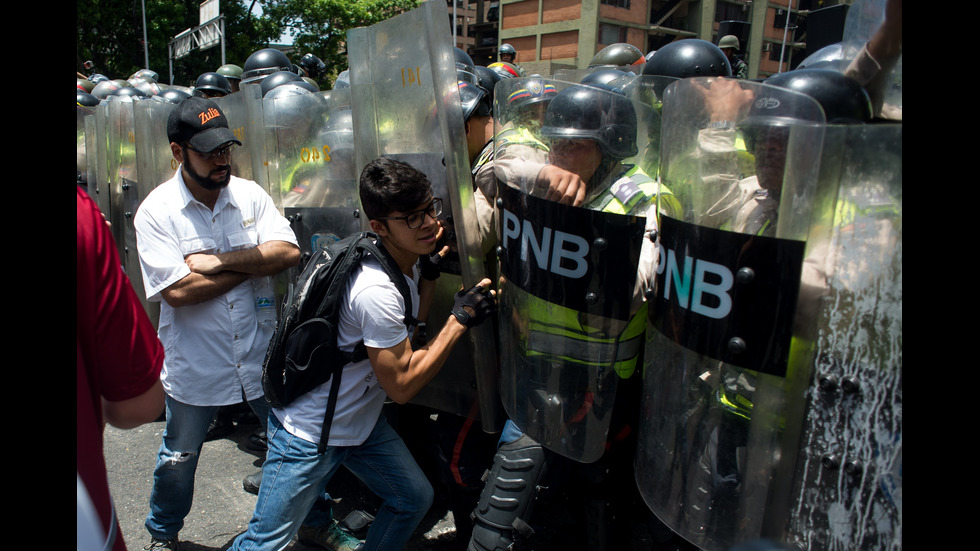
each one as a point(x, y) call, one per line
point(508, 494)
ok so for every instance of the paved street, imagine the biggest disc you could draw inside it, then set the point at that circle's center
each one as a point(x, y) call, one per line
point(221, 508)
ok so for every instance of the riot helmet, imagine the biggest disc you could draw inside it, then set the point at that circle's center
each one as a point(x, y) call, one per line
point(103, 88)
point(618, 55)
point(312, 64)
point(843, 100)
point(686, 59)
point(172, 95)
point(589, 112)
point(505, 70)
point(689, 58)
point(465, 69)
point(98, 77)
point(263, 63)
point(474, 100)
point(343, 80)
point(145, 74)
point(128, 93)
point(85, 85)
point(233, 73)
point(729, 41)
point(507, 50)
point(277, 79)
point(487, 79)
point(610, 77)
point(212, 85)
point(230, 71)
point(149, 87)
point(85, 99)
point(530, 102)
point(295, 88)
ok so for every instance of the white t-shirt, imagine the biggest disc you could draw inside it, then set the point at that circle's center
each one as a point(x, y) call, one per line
point(373, 311)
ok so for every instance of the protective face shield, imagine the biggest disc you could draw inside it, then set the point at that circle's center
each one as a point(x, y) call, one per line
point(528, 103)
point(587, 112)
point(474, 101)
point(465, 69)
point(843, 100)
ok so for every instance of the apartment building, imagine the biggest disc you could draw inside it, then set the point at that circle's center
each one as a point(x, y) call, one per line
point(549, 34)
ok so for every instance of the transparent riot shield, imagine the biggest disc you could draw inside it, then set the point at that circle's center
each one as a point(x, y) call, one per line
point(91, 155)
point(243, 109)
point(122, 178)
point(649, 90)
point(568, 324)
point(406, 106)
point(845, 489)
point(98, 187)
point(728, 334)
point(314, 165)
point(863, 20)
point(81, 143)
point(156, 164)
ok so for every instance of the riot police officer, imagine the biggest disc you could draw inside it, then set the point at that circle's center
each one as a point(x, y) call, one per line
point(263, 63)
point(212, 85)
point(565, 356)
point(507, 53)
point(233, 73)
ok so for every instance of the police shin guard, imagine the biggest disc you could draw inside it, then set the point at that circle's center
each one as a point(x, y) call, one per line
point(505, 503)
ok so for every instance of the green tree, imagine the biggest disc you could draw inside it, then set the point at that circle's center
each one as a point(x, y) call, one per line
point(110, 34)
point(320, 26)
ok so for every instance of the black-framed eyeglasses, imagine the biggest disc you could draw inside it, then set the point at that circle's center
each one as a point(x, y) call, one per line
point(416, 219)
point(217, 153)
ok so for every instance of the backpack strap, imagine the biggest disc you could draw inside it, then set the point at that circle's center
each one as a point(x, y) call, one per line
point(368, 242)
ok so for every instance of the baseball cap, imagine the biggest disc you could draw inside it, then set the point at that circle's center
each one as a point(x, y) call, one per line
point(200, 123)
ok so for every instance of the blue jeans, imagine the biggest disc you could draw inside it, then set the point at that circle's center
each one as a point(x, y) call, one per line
point(173, 478)
point(294, 476)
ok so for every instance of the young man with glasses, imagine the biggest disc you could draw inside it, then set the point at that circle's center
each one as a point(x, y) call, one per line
point(208, 243)
point(398, 201)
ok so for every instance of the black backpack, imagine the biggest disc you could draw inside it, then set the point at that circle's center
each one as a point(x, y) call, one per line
point(303, 352)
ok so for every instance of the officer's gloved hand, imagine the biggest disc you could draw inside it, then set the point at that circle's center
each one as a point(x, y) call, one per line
point(473, 306)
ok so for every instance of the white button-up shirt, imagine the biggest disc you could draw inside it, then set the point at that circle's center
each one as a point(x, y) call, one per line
point(216, 348)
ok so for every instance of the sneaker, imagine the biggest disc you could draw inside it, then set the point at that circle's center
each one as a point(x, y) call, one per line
point(252, 482)
point(160, 544)
point(331, 537)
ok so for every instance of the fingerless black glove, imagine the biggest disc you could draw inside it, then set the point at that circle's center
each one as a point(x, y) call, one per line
point(429, 266)
point(476, 300)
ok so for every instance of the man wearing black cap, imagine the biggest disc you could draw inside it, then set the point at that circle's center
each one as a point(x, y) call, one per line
point(208, 244)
